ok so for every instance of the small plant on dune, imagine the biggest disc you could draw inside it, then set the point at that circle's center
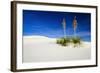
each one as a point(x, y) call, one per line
point(76, 41)
point(63, 41)
point(58, 41)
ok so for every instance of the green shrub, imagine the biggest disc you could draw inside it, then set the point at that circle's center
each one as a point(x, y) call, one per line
point(58, 41)
point(76, 40)
point(63, 41)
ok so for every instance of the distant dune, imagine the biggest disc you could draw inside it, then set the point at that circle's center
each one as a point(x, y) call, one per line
point(44, 49)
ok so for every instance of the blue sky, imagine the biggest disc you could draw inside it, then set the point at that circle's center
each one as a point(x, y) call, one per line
point(49, 24)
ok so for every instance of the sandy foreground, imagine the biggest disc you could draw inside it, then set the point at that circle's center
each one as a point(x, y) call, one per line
point(44, 49)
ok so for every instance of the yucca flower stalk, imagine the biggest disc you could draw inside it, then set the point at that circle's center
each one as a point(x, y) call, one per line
point(75, 25)
point(64, 27)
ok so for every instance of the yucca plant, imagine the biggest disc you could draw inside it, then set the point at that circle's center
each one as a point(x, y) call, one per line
point(76, 41)
point(63, 41)
point(58, 41)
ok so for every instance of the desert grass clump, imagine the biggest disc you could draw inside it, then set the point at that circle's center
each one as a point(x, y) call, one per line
point(66, 41)
point(76, 41)
point(63, 41)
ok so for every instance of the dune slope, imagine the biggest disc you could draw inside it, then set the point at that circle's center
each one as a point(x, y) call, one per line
point(44, 49)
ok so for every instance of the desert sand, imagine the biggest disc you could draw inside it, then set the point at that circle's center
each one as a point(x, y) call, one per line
point(44, 49)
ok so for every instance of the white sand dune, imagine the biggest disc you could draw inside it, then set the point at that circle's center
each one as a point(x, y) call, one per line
point(43, 49)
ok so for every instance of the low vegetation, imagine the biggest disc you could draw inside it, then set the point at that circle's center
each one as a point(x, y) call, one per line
point(76, 41)
point(66, 41)
point(63, 41)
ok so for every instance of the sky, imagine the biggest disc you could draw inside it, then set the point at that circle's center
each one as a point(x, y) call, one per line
point(49, 24)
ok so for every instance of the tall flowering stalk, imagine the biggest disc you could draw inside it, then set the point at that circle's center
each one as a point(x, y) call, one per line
point(64, 27)
point(75, 25)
